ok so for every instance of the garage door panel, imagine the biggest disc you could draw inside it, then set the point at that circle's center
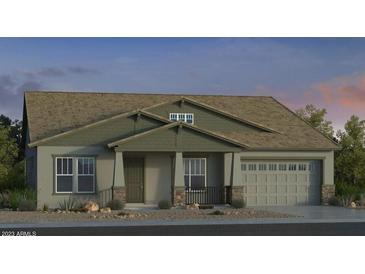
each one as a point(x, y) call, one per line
point(289, 182)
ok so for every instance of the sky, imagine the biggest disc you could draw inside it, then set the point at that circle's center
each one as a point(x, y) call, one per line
point(326, 72)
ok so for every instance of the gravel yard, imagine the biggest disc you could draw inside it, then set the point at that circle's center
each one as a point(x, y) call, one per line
point(7, 217)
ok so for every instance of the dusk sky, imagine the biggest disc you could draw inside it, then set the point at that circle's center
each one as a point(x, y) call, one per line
point(328, 73)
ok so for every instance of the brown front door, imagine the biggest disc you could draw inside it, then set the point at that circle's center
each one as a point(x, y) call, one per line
point(134, 179)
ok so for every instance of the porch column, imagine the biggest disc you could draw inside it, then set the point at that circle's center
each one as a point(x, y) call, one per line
point(179, 185)
point(119, 183)
point(235, 178)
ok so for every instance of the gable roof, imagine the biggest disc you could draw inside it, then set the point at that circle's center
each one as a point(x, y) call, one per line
point(51, 113)
point(178, 124)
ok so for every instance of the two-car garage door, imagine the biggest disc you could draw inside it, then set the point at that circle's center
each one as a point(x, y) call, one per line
point(290, 182)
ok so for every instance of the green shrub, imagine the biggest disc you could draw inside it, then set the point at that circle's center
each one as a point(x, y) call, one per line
point(17, 195)
point(238, 203)
point(164, 204)
point(115, 204)
point(27, 205)
point(334, 201)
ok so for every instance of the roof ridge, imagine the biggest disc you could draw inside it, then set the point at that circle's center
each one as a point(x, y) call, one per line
point(141, 93)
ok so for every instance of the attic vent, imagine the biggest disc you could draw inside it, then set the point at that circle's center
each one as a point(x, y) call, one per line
point(185, 117)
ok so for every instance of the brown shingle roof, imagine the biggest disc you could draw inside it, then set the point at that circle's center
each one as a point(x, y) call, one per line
point(50, 113)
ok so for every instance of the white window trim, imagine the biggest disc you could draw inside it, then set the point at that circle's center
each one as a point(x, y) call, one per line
point(93, 175)
point(183, 115)
point(189, 174)
point(75, 175)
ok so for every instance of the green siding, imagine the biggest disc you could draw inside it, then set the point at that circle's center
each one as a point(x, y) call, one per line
point(204, 118)
point(107, 132)
point(177, 139)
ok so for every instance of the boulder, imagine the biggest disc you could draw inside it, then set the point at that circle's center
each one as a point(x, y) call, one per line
point(91, 206)
point(193, 206)
point(353, 204)
point(105, 210)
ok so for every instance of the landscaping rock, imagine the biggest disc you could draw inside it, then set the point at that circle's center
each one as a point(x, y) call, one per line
point(91, 206)
point(193, 206)
point(105, 210)
point(353, 205)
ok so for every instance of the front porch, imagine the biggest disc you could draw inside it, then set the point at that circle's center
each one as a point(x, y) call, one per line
point(180, 177)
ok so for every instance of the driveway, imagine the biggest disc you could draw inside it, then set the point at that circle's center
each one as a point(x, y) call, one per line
point(320, 213)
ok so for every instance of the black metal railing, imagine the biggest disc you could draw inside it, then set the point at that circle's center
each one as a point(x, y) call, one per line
point(206, 195)
point(105, 196)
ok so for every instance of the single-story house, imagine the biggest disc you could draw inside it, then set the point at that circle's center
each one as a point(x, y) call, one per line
point(143, 148)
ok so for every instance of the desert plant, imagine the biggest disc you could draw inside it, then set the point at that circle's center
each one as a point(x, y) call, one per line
point(164, 204)
point(45, 207)
point(27, 205)
point(68, 204)
point(346, 200)
point(115, 204)
point(334, 201)
point(238, 203)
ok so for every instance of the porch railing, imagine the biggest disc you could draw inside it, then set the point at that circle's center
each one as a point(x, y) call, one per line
point(207, 195)
point(104, 196)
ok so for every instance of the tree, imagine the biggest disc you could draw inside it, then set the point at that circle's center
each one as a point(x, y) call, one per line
point(15, 131)
point(350, 159)
point(8, 154)
point(316, 118)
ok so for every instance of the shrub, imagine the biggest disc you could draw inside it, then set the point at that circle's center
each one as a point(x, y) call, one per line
point(17, 195)
point(334, 201)
point(115, 204)
point(45, 207)
point(14, 199)
point(68, 204)
point(27, 205)
point(238, 203)
point(164, 204)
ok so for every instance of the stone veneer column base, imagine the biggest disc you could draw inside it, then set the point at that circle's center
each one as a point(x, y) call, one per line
point(327, 192)
point(237, 193)
point(119, 193)
point(179, 195)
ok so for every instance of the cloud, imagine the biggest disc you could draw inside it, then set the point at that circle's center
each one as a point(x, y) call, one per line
point(344, 91)
point(7, 83)
point(81, 70)
point(57, 72)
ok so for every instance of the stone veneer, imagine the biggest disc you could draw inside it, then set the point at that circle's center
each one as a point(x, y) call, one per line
point(327, 192)
point(179, 195)
point(237, 193)
point(119, 193)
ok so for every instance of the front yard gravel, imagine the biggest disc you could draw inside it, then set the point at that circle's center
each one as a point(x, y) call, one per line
point(8, 217)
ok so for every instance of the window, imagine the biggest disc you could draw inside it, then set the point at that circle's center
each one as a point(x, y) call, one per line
point(252, 167)
point(272, 167)
point(85, 178)
point(195, 173)
point(262, 167)
point(64, 174)
point(243, 167)
point(75, 174)
point(302, 167)
point(282, 167)
point(292, 167)
point(185, 117)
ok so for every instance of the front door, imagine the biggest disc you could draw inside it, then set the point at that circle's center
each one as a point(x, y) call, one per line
point(134, 178)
